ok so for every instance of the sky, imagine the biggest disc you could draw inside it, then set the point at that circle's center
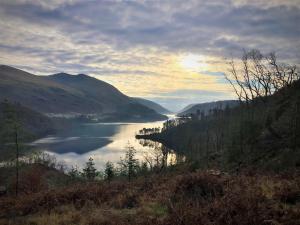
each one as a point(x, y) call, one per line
point(171, 51)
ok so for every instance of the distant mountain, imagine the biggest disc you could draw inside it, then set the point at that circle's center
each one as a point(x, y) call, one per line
point(186, 108)
point(71, 94)
point(152, 105)
point(206, 107)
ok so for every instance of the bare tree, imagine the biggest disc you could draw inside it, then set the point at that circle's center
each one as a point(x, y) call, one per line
point(156, 157)
point(258, 75)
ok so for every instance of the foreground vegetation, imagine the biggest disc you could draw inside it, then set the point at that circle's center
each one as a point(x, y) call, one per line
point(179, 195)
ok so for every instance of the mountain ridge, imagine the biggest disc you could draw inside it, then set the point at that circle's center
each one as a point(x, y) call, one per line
point(65, 93)
point(206, 107)
point(152, 105)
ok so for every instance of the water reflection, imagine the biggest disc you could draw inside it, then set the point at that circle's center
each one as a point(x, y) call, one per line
point(104, 142)
point(158, 154)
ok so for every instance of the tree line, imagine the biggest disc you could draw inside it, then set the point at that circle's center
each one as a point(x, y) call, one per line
point(127, 167)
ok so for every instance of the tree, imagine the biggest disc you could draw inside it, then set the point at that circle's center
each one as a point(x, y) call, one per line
point(258, 75)
point(143, 169)
point(90, 171)
point(157, 157)
point(12, 127)
point(74, 172)
point(129, 164)
point(109, 171)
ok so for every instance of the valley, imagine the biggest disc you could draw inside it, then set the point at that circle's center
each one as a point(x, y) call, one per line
point(142, 112)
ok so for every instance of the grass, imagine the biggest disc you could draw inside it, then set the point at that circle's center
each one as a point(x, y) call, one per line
point(172, 197)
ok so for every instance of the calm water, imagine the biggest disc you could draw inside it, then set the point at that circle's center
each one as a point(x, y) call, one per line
point(102, 141)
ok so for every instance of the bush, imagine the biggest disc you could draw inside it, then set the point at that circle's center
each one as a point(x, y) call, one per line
point(197, 187)
point(126, 200)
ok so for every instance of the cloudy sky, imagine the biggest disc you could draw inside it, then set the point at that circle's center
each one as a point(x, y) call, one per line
point(170, 51)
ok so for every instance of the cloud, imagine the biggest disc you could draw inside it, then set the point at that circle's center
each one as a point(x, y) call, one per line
point(48, 5)
point(136, 45)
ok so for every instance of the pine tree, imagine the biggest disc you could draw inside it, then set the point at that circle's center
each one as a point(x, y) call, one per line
point(74, 173)
point(90, 171)
point(109, 172)
point(143, 169)
point(130, 164)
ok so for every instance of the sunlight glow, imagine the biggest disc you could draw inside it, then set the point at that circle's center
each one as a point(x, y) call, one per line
point(192, 62)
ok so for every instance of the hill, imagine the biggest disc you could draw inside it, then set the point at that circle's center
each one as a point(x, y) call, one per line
point(186, 108)
point(206, 107)
point(31, 125)
point(35, 122)
point(102, 96)
point(152, 105)
point(264, 133)
point(70, 94)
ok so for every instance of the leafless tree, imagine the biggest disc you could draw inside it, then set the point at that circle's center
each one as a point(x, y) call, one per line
point(156, 158)
point(259, 75)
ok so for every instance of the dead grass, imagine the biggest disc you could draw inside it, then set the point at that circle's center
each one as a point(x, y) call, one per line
point(171, 198)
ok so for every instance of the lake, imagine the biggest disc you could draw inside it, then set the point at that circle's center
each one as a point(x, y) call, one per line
point(101, 141)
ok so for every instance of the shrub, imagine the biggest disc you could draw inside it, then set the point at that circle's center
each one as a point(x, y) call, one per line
point(197, 187)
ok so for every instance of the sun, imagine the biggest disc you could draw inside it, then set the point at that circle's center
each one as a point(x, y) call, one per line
point(192, 62)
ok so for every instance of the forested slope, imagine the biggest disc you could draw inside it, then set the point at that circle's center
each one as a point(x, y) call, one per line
point(263, 133)
point(27, 123)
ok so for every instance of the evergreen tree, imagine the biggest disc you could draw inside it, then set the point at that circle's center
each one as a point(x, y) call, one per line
point(90, 171)
point(74, 173)
point(109, 172)
point(130, 164)
point(143, 169)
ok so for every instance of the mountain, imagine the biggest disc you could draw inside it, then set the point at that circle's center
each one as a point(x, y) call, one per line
point(71, 94)
point(102, 96)
point(206, 107)
point(152, 105)
point(186, 108)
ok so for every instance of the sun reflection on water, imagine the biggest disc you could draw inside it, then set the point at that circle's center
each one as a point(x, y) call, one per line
point(113, 148)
